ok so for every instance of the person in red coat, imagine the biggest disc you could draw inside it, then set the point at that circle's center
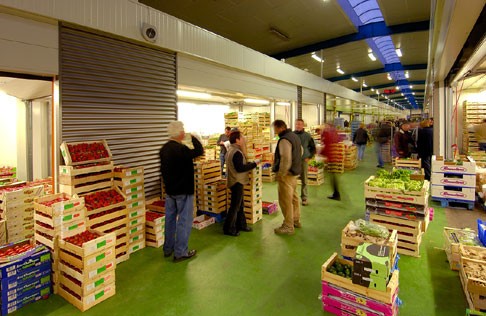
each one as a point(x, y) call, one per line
point(329, 137)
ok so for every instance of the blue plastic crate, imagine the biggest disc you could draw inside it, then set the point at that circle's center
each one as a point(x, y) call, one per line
point(25, 265)
point(482, 232)
point(18, 280)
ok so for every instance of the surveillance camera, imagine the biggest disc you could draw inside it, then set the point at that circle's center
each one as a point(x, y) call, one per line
point(149, 32)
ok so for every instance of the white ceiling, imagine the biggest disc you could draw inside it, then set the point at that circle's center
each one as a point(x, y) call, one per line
point(25, 89)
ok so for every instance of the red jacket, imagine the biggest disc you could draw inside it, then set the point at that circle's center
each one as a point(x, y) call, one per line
point(329, 136)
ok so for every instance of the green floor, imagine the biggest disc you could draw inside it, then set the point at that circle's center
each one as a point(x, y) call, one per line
point(263, 274)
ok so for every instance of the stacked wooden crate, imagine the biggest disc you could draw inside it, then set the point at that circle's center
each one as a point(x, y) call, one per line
point(454, 182)
point(252, 196)
point(154, 229)
point(17, 210)
point(205, 172)
point(214, 197)
point(47, 183)
point(350, 157)
point(473, 113)
point(8, 175)
point(267, 174)
point(386, 152)
point(404, 211)
point(335, 161)
point(473, 279)
point(58, 216)
point(87, 268)
point(315, 174)
point(231, 119)
point(130, 181)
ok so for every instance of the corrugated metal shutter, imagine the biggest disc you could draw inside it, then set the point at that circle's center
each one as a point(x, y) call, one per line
point(118, 91)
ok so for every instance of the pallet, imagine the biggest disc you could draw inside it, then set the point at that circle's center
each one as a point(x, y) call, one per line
point(452, 203)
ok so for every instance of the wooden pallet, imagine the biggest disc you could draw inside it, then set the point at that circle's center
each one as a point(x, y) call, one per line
point(452, 203)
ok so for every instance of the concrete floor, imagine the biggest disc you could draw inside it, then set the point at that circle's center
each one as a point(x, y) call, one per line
point(260, 273)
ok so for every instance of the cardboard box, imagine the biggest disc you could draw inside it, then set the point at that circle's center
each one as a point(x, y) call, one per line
point(39, 258)
point(203, 221)
point(374, 260)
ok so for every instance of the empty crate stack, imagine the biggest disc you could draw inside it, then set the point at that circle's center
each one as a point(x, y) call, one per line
point(56, 217)
point(130, 181)
point(315, 173)
point(454, 182)
point(252, 196)
point(25, 276)
point(473, 113)
point(405, 211)
point(17, 210)
point(214, 197)
point(87, 268)
point(154, 229)
point(205, 172)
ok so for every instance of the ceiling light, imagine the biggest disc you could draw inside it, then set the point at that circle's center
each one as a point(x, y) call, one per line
point(397, 88)
point(364, 85)
point(340, 71)
point(377, 91)
point(407, 75)
point(256, 101)
point(402, 94)
point(399, 52)
point(372, 89)
point(354, 79)
point(193, 94)
point(279, 34)
point(317, 58)
point(413, 93)
point(372, 57)
point(411, 86)
point(283, 103)
point(388, 76)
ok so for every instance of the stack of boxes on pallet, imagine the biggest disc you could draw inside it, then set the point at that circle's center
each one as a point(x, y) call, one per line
point(404, 211)
point(26, 278)
point(472, 276)
point(252, 196)
point(56, 217)
point(350, 157)
point(205, 174)
point(130, 181)
point(17, 211)
point(87, 268)
point(335, 163)
point(454, 182)
point(154, 229)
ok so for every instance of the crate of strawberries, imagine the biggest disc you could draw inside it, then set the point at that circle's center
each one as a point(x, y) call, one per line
point(87, 243)
point(80, 153)
point(104, 200)
point(58, 204)
point(16, 251)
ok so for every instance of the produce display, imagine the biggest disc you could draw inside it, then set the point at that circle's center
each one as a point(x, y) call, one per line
point(342, 269)
point(369, 231)
point(81, 238)
point(54, 201)
point(397, 179)
point(475, 270)
point(87, 151)
point(102, 199)
point(151, 216)
point(315, 165)
point(8, 253)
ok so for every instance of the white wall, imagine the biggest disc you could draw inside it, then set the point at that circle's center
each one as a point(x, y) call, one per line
point(8, 130)
point(40, 137)
point(471, 96)
point(21, 140)
point(310, 115)
point(28, 46)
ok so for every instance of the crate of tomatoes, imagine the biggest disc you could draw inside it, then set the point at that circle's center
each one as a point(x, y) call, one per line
point(80, 153)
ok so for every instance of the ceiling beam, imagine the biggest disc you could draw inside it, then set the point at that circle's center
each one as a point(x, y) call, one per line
point(365, 31)
point(387, 68)
point(391, 84)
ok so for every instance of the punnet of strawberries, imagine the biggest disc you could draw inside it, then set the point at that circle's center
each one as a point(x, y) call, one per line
point(81, 238)
point(101, 199)
point(87, 151)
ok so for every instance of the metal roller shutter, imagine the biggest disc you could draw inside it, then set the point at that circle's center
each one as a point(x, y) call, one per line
point(118, 91)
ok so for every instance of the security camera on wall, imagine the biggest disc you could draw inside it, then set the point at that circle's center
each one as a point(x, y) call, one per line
point(149, 33)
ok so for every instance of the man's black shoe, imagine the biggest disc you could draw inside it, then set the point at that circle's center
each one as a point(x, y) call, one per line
point(246, 229)
point(190, 254)
point(168, 254)
point(234, 234)
point(335, 197)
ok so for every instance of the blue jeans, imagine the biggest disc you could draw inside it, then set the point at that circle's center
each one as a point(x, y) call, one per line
point(379, 154)
point(223, 160)
point(361, 150)
point(178, 223)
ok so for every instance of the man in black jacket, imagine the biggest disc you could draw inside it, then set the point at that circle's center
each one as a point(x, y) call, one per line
point(309, 147)
point(425, 146)
point(176, 164)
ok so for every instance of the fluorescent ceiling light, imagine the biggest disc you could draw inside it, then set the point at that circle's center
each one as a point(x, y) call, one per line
point(377, 91)
point(283, 103)
point(372, 57)
point(317, 58)
point(402, 94)
point(411, 86)
point(388, 76)
point(372, 89)
point(340, 71)
point(354, 79)
point(397, 88)
point(193, 94)
point(413, 93)
point(399, 52)
point(256, 101)
point(407, 75)
point(364, 85)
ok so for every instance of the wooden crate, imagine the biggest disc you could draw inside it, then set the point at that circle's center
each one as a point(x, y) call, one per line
point(84, 289)
point(59, 208)
point(413, 197)
point(109, 221)
point(67, 155)
point(86, 188)
point(412, 228)
point(109, 207)
point(472, 284)
point(387, 297)
point(409, 248)
point(102, 242)
point(136, 247)
point(252, 218)
point(350, 244)
point(83, 303)
point(86, 263)
point(125, 172)
point(22, 195)
point(70, 175)
point(408, 163)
